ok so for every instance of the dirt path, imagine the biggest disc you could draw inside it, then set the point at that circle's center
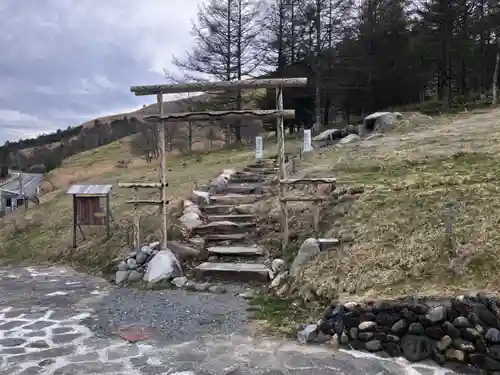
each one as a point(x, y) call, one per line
point(55, 321)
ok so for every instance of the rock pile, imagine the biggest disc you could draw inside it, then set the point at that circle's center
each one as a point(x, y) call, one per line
point(132, 268)
point(373, 126)
point(192, 216)
point(464, 329)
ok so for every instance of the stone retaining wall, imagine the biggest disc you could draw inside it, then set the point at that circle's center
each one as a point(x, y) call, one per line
point(463, 329)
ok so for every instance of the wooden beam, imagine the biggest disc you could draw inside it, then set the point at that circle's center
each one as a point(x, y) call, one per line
point(134, 185)
point(146, 201)
point(303, 199)
point(309, 181)
point(224, 85)
point(280, 127)
point(75, 222)
point(137, 222)
point(163, 170)
point(261, 114)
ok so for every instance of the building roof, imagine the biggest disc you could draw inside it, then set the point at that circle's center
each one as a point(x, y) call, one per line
point(30, 182)
point(83, 190)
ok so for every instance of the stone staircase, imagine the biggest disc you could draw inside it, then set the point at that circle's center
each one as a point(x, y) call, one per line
point(229, 234)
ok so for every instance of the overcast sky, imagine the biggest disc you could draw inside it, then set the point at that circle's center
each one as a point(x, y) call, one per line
point(63, 62)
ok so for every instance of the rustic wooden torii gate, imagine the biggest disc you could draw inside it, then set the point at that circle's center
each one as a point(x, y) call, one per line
point(161, 118)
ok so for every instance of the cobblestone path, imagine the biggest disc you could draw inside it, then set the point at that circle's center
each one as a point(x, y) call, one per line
point(55, 321)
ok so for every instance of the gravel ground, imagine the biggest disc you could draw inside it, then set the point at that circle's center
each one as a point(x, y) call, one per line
point(173, 315)
point(55, 321)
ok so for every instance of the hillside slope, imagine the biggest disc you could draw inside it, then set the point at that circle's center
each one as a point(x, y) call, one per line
point(427, 177)
point(43, 234)
point(50, 149)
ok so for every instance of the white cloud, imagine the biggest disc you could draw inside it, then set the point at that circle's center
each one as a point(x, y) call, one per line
point(22, 125)
point(63, 61)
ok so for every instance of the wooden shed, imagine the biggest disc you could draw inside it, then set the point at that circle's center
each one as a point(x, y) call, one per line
point(90, 207)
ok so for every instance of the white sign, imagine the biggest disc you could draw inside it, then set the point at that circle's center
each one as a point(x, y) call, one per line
point(307, 140)
point(259, 149)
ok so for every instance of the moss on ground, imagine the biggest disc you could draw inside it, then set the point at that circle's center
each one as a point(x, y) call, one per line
point(282, 316)
point(440, 172)
point(43, 234)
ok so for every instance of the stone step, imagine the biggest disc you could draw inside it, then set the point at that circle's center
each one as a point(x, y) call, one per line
point(236, 199)
point(236, 218)
point(233, 271)
point(235, 250)
point(263, 163)
point(218, 209)
point(231, 237)
point(327, 243)
point(223, 227)
point(246, 179)
point(246, 188)
point(262, 171)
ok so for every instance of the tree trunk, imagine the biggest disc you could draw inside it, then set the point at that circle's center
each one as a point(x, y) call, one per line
point(494, 84)
point(190, 136)
point(317, 99)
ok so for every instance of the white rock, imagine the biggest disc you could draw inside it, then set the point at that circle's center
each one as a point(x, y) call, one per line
point(200, 197)
point(307, 251)
point(179, 282)
point(121, 276)
point(350, 138)
point(278, 265)
point(132, 263)
point(163, 266)
point(279, 279)
point(366, 326)
point(122, 266)
point(190, 220)
point(194, 209)
point(308, 334)
point(188, 203)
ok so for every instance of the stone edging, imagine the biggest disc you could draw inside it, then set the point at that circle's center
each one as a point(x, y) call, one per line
point(462, 329)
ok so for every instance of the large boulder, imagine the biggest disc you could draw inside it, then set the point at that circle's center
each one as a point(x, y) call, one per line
point(381, 121)
point(183, 251)
point(190, 220)
point(350, 139)
point(307, 251)
point(328, 135)
point(200, 197)
point(163, 266)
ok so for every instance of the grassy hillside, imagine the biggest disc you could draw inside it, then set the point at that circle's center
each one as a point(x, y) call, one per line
point(43, 234)
point(395, 234)
point(50, 149)
point(418, 178)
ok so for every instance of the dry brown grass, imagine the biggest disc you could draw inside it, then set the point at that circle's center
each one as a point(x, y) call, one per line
point(43, 234)
point(395, 233)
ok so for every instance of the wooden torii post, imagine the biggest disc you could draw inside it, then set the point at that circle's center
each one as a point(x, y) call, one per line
point(279, 113)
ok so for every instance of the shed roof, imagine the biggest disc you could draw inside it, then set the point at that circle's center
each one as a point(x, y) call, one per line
point(83, 190)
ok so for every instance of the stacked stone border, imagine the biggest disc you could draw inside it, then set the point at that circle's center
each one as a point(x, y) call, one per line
point(463, 330)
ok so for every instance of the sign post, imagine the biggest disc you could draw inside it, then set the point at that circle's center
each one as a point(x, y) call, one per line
point(307, 140)
point(259, 149)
